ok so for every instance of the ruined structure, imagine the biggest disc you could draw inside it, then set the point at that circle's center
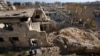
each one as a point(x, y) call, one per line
point(74, 36)
point(24, 28)
point(33, 29)
point(3, 4)
point(97, 17)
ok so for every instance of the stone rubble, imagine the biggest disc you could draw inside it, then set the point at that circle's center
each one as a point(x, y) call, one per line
point(74, 39)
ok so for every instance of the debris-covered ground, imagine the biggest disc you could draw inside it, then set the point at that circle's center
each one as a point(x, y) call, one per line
point(70, 40)
point(76, 40)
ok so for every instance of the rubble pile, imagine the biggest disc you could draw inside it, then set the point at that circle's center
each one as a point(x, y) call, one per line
point(74, 40)
point(50, 51)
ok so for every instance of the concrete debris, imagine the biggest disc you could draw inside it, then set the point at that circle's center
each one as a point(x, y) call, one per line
point(35, 31)
point(50, 51)
point(74, 39)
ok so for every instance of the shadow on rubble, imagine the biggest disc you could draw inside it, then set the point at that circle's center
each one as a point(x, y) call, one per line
point(15, 49)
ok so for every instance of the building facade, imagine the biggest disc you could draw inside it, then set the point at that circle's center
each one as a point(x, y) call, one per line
point(24, 29)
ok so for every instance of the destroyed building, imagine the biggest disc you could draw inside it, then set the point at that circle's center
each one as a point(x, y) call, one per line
point(33, 28)
point(97, 16)
point(23, 29)
point(3, 4)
